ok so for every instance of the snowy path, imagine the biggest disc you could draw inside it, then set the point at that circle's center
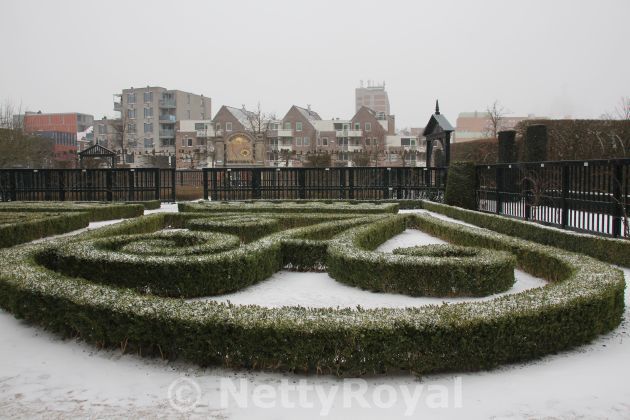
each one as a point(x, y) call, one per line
point(42, 376)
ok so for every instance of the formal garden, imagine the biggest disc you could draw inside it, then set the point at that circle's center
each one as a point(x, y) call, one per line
point(136, 285)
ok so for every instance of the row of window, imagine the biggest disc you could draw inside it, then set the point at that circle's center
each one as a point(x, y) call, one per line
point(147, 97)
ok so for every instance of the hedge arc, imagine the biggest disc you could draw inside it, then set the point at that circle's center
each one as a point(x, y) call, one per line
point(583, 299)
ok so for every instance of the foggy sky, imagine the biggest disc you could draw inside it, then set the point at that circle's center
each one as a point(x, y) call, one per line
point(551, 57)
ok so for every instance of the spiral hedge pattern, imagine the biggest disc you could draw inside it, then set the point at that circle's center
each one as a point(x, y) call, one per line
point(124, 284)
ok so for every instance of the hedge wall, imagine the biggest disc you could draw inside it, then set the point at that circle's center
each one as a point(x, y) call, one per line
point(584, 299)
point(20, 227)
point(97, 211)
point(324, 206)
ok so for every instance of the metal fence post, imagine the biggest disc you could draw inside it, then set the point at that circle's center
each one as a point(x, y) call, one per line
point(205, 183)
point(350, 172)
point(256, 183)
point(62, 185)
point(131, 182)
point(13, 186)
point(301, 183)
point(499, 188)
point(174, 184)
point(108, 185)
point(617, 199)
point(564, 215)
point(157, 183)
point(386, 183)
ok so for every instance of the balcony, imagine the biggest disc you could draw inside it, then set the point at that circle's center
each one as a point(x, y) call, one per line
point(168, 118)
point(349, 133)
point(282, 132)
point(167, 133)
point(167, 103)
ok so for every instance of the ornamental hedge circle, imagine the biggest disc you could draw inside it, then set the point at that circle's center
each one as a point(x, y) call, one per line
point(584, 298)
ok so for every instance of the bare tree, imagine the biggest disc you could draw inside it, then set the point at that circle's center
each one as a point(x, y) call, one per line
point(18, 149)
point(496, 113)
point(623, 109)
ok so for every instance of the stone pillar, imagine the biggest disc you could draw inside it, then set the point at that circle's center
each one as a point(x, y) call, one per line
point(259, 152)
point(219, 153)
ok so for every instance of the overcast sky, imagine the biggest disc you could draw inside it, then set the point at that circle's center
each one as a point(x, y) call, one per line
point(552, 57)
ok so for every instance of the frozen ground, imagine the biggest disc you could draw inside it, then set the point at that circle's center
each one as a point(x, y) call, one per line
point(42, 376)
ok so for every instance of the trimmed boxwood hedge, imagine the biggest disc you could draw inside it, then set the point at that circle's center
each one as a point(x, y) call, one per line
point(615, 251)
point(17, 228)
point(97, 211)
point(247, 228)
point(584, 299)
point(98, 259)
point(461, 185)
point(351, 261)
point(324, 206)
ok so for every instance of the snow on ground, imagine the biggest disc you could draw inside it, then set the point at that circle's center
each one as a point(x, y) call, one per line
point(42, 376)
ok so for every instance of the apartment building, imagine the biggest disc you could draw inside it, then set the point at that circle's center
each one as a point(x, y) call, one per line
point(191, 145)
point(108, 132)
point(373, 96)
point(405, 150)
point(149, 116)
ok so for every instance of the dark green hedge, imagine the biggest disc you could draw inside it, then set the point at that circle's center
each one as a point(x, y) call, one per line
point(461, 185)
point(584, 299)
point(17, 228)
point(248, 229)
point(97, 257)
point(324, 206)
point(615, 251)
point(351, 261)
point(98, 211)
point(535, 145)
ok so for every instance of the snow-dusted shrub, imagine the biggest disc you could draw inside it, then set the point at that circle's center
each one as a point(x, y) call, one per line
point(350, 260)
point(20, 227)
point(324, 206)
point(583, 299)
point(615, 251)
point(248, 228)
point(97, 210)
point(220, 267)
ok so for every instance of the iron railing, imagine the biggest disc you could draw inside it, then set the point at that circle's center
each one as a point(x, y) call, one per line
point(364, 183)
point(587, 196)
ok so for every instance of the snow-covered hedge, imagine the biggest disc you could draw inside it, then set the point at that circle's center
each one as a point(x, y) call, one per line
point(248, 228)
point(350, 260)
point(584, 299)
point(224, 267)
point(616, 251)
point(20, 227)
point(324, 206)
point(97, 210)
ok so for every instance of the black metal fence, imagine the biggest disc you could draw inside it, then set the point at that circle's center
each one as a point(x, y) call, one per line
point(587, 196)
point(82, 184)
point(363, 183)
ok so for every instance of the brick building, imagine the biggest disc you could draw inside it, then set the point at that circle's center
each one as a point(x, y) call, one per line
point(65, 129)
